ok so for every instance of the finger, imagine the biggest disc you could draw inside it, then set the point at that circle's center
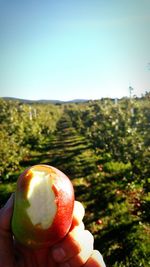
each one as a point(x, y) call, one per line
point(81, 258)
point(96, 260)
point(77, 246)
point(6, 239)
point(78, 213)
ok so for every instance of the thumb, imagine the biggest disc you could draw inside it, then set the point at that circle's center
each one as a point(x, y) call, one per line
point(6, 239)
point(6, 214)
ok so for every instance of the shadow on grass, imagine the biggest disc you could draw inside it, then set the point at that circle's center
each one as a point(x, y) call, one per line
point(112, 242)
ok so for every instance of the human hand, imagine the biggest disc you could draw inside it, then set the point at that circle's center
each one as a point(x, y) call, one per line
point(75, 250)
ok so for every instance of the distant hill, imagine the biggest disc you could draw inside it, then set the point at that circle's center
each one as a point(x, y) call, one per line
point(44, 101)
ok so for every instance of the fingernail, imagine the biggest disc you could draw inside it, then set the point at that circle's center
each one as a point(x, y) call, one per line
point(58, 254)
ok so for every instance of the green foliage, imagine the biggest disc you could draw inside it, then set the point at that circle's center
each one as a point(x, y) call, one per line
point(104, 147)
point(11, 153)
point(118, 168)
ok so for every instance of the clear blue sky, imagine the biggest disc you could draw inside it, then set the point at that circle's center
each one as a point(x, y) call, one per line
point(69, 49)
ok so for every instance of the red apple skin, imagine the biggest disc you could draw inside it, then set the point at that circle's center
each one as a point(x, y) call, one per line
point(35, 236)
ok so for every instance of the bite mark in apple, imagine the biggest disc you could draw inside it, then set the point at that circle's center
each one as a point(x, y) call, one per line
point(41, 198)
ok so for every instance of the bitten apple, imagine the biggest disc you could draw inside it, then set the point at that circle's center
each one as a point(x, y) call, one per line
point(43, 207)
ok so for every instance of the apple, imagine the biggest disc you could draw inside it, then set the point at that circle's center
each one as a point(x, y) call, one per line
point(43, 206)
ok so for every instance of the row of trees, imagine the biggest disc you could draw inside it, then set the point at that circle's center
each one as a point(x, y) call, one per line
point(23, 128)
point(118, 131)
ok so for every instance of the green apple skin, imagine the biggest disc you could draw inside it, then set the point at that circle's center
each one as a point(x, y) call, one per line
point(29, 226)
